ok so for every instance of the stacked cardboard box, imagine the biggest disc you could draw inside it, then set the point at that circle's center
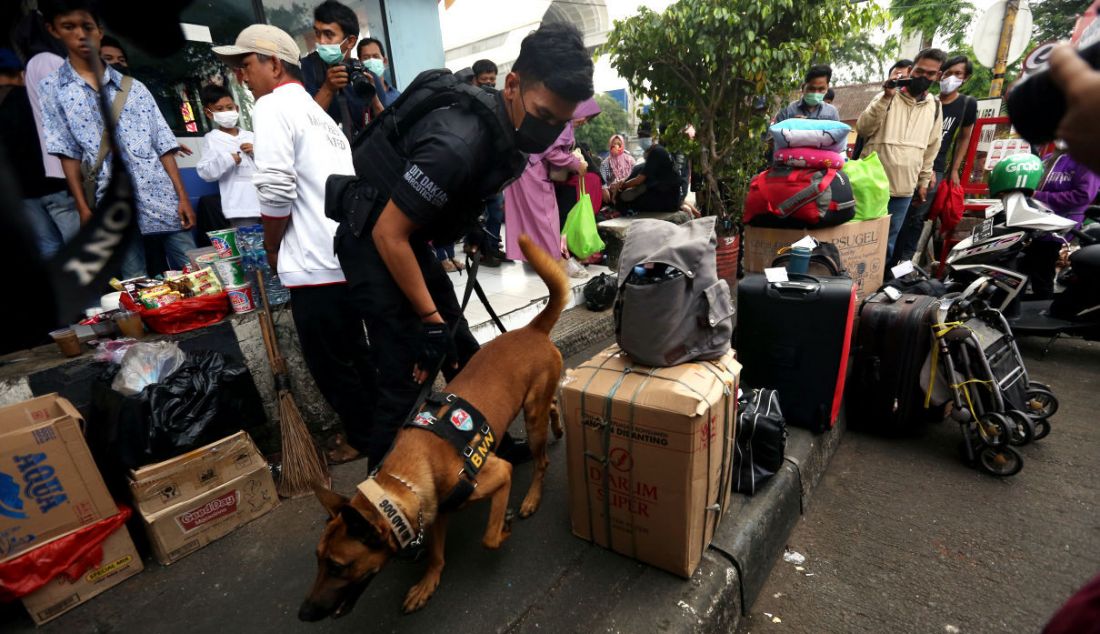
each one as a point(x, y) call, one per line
point(120, 562)
point(650, 455)
point(49, 488)
point(862, 247)
point(201, 496)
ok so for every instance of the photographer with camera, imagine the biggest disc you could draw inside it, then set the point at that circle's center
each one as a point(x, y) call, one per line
point(905, 125)
point(338, 83)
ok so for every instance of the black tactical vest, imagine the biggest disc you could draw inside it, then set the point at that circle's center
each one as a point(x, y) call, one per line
point(380, 158)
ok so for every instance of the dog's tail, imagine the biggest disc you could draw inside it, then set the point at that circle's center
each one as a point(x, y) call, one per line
point(556, 282)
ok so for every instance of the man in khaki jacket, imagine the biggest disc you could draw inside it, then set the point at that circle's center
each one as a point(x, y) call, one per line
point(904, 125)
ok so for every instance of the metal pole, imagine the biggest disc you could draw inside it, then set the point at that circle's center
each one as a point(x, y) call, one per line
point(997, 86)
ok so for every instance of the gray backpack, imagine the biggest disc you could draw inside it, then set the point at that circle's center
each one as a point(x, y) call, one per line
point(672, 308)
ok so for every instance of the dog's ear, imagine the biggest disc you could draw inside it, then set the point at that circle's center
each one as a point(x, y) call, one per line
point(360, 528)
point(331, 500)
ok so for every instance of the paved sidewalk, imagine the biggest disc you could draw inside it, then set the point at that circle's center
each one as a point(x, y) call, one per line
point(901, 537)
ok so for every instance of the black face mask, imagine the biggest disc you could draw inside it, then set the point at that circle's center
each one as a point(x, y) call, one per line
point(121, 69)
point(918, 86)
point(534, 135)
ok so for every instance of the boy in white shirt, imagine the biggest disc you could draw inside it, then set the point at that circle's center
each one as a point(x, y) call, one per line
point(298, 146)
point(227, 158)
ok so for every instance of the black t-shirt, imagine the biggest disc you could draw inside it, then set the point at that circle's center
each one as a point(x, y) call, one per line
point(959, 113)
point(314, 72)
point(443, 149)
point(450, 170)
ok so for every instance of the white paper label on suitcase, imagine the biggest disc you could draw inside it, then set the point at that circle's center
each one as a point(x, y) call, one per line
point(806, 241)
point(903, 269)
point(777, 274)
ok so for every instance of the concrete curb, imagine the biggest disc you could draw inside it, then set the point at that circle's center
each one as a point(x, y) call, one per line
point(578, 328)
point(751, 538)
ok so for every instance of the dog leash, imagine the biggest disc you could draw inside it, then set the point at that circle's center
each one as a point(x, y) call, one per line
point(472, 286)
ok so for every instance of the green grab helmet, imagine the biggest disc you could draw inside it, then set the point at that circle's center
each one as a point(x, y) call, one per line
point(1019, 172)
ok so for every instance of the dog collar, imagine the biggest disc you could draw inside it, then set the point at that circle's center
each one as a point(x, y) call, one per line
point(402, 527)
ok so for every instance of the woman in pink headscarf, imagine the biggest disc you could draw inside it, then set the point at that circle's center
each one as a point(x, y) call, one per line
point(619, 162)
point(530, 206)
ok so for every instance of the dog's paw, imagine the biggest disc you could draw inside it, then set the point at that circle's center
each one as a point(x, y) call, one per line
point(530, 505)
point(419, 594)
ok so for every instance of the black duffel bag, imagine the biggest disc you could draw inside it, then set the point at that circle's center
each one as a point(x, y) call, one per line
point(761, 440)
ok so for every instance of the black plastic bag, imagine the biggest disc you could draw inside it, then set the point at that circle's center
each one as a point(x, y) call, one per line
point(208, 398)
point(761, 440)
point(599, 292)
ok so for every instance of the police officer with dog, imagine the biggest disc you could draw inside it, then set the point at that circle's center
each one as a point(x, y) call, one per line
point(423, 168)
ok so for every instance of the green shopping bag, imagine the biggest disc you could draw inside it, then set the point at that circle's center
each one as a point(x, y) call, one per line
point(580, 231)
point(870, 186)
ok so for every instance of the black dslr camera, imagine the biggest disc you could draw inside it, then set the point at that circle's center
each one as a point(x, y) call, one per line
point(901, 82)
point(1036, 106)
point(360, 79)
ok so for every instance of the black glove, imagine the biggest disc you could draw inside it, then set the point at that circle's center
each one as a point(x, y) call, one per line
point(436, 344)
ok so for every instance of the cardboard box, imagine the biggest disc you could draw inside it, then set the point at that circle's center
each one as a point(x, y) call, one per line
point(164, 484)
point(49, 484)
point(862, 246)
point(180, 529)
point(120, 562)
point(654, 483)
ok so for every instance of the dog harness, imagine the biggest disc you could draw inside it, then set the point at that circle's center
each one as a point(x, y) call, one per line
point(453, 419)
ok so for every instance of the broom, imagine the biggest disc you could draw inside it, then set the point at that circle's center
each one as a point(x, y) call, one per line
point(303, 466)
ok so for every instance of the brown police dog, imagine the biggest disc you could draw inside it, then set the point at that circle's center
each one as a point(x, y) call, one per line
point(517, 371)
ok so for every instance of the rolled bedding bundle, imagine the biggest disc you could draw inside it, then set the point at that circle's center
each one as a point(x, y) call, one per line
point(821, 134)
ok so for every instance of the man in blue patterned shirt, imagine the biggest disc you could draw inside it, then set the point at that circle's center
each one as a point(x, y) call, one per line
point(74, 129)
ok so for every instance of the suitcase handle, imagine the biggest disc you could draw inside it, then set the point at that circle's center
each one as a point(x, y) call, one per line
point(795, 289)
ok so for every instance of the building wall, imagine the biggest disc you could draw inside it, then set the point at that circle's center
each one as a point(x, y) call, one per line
point(413, 31)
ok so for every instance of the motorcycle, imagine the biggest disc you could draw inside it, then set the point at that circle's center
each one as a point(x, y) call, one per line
point(984, 266)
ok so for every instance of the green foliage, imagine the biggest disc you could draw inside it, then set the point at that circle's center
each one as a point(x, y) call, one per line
point(1054, 19)
point(612, 120)
point(978, 84)
point(928, 18)
point(704, 61)
point(864, 59)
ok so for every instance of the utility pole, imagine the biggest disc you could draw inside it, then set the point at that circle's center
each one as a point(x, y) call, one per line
point(1009, 24)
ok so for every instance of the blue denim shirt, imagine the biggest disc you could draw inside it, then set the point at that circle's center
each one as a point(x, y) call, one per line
point(73, 127)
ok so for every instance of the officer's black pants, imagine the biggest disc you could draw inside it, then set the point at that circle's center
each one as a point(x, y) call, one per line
point(394, 330)
point(334, 346)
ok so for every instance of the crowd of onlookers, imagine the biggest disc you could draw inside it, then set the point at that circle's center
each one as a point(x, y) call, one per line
point(922, 137)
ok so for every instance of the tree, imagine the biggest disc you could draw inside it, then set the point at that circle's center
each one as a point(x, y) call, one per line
point(612, 120)
point(1054, 19)
point(928, 18)
point(861, 59)
point(716, 64)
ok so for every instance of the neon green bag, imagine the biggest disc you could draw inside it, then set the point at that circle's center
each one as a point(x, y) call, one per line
point(870, 186)
point(580, 227)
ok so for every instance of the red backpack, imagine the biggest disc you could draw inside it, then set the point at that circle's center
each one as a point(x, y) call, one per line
point(798, 198)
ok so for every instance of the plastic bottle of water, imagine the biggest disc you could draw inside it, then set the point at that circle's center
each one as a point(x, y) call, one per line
point(255, 258)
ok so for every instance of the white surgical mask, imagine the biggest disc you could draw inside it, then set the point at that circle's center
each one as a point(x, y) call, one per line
point(374, 65)
point(227, 119)
point(950, 84)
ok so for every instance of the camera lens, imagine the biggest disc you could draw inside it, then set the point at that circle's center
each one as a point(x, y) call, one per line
point(1036, 106)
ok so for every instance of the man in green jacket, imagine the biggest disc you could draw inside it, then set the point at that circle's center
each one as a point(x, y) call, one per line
point(904, 125)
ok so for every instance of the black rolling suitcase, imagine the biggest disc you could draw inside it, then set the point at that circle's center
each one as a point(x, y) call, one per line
point(894, 339)
point(793, 337)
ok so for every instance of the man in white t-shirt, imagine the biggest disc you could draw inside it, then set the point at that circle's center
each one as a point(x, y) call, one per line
point(55, 220)
point(227, 158)
point(298, 146)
